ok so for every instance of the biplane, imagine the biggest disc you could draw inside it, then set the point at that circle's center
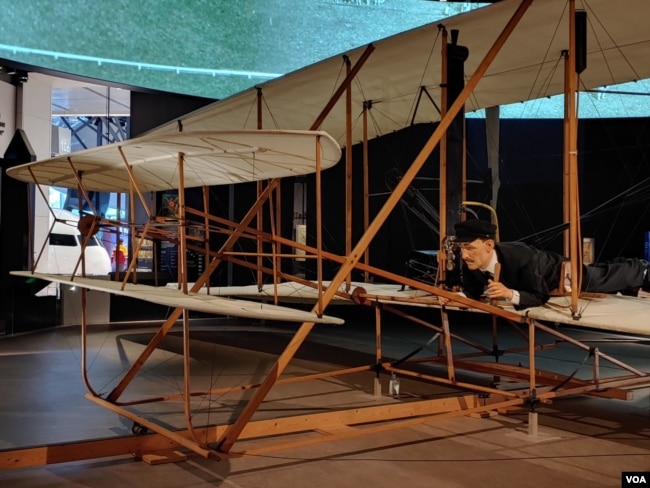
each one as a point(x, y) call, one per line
point(516, 47)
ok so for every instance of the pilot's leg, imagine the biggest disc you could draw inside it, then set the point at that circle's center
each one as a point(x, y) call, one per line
point(615, 276)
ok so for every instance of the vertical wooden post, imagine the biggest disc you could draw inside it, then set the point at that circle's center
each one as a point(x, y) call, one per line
point(206, 227)
point(277, 248)
point(532, 372)
point(320, 306)
point(596, 360)
point(183, 277)
point(260, 244)
point(367, 105)
point(442, 258)
point(566, 216)
point(378, 351)
point(182, 252)
point(572, 149)
point(531, 358)
point(348, 170)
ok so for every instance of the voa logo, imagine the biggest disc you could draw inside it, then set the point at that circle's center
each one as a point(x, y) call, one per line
point(635, 479)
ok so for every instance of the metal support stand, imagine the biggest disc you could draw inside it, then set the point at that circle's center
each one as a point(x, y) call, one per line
point(533, 425)
point(377, 387)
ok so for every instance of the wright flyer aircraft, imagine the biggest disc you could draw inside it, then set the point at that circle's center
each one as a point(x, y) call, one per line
point(516, 50)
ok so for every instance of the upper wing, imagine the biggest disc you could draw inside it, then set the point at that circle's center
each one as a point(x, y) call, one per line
point(401, 67)
point(192, 301)
point(209, 158)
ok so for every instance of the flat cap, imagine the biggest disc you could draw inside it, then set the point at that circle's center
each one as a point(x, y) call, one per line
point(470, 230)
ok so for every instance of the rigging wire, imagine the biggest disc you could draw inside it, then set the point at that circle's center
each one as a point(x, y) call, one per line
point(253, 106)
point(271, 113)
point(543, 89)
point(250, 111)
point(620, 52)
point(546, 54)
point(411, 114)
point(641, 192)
point(636, 191)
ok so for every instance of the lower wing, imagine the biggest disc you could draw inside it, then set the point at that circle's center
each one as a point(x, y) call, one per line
point(192, 301)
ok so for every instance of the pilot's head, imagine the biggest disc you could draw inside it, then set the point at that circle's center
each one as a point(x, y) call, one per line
point(475, 239)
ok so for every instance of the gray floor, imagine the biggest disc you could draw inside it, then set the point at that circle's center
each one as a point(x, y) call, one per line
point(582, 441)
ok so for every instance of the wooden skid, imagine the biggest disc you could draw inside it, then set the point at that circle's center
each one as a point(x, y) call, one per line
point(259, 436)
point(84, 450)
point(442, 409)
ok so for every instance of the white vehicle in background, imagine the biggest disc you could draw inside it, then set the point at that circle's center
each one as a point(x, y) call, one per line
point(64, 248)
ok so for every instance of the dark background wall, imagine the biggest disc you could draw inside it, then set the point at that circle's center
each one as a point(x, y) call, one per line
point(613, 158)
point(151, 109)
point(20, 310)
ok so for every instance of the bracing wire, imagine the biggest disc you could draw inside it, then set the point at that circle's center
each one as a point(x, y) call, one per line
point(546, 54)
point(619, 51)
point(411, 114)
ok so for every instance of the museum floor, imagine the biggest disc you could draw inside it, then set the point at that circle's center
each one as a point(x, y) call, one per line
point(581, 441)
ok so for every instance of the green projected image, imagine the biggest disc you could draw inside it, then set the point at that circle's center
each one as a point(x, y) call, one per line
point(209, 48)
point(624, 100)
point(216, 48)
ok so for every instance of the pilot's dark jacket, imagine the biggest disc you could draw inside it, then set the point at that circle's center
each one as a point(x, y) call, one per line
point(535, 273)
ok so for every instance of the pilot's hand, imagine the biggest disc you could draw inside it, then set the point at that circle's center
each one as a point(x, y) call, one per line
point(497, 289)
point(444, 301)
